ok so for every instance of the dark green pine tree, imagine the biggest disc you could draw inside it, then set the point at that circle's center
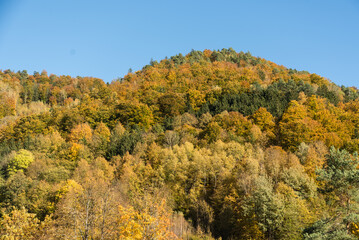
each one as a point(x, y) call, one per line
point(340, 176)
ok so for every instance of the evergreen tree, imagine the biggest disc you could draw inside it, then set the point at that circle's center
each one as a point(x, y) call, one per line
point(340, 178)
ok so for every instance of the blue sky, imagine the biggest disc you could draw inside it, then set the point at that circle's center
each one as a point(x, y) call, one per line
point(105, 38)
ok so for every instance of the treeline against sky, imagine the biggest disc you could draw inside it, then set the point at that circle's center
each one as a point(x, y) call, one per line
point(213, 144)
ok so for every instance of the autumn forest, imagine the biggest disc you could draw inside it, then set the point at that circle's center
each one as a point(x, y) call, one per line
point(207, 145)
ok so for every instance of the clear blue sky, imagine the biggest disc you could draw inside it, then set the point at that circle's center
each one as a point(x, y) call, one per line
point(105, 38)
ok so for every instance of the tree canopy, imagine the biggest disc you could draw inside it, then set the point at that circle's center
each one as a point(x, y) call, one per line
point(205, 145)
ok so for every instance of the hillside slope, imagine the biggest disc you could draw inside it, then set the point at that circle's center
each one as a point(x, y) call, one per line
point(210, 144)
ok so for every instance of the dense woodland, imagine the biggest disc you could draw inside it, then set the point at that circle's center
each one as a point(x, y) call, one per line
point(208, 145)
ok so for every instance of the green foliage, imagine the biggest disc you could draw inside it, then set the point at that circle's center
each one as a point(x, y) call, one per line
point(121, 143)
point(275, 98)
point(20, 161)
point(340, 176)
point(13, 191)
point(326, 230)
point(268, 207)
point(324, 92)
point(340, 172)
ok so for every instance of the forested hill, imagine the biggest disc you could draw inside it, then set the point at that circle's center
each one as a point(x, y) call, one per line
point(212, 144)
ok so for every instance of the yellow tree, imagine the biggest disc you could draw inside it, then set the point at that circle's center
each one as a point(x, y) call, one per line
point(100, 139)
point(81, 133)
point(87, 206)
point(19, 224)
point(297, 127)
point(264, 120)
point(150, 223)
